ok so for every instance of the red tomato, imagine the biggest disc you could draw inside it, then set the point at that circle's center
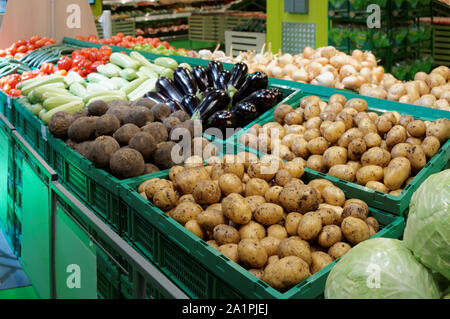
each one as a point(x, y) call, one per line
point(36, 72)
point(106, 50)
point(39, 43)
point(14, 92)
point(2, 53)
point(21, 43)
point(10, 52)
point(30, 47)
point(65, 63)
point(6, 88)
point(61, 72)
point(47, 68)
point(22, 49)
point(35, 39)
point(26, 76)
point(120, 35)
point(19, 56)
point(75, 69)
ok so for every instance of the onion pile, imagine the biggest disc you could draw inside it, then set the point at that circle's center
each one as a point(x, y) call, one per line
point(429, 90)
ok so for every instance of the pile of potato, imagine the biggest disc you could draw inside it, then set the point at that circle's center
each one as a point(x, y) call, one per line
point(260, 215)
point(429, 90)
point(341, 138)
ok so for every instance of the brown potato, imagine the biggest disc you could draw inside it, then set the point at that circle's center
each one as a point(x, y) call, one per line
point(416, 128)
point(338, 98)
point(398, 170)
point(230, 183)
point(272, 259)
point(252, 253)
point(265, 171)
point(230, 251)
point(405, 120)
point(277, 231)
point(258, 273)
point(366, 126)
point(358, 201)
point(252, 230)
point(210, 218)
point(165, 199)
point(299, 146)
point(295, 169)
point(268, 214)
point(281, 111)
point(141, 188)
point(207, 192)
point(329, 216)
point(371, 221)
point(154, 185)
point(372, 140)
point(256, 187)
point(355, 230)
point(355, 165)
point(272, 194)
point(413, 141)
point(319, 261)
point(213, 244)
point(295, 246)
point(384, 124)
point(396, 135)
point(216, 172)
point(397, 192)
point(271, 245)
point(313, 124)
point(358, 104)
point(329, 235)
point(185, 212)
point(345, 172)
point(355, 209)
point(311, 134)
point(349, 136)
point(309, 227)
point(430, 146)
point(333, 195)
point(338, 250)
point(369, 173)
point(225, 234)
point(334, 131)
point(293, 118)
point(282, 177)
point(319, 184)
point(335, 155)
point(291, 223)
point(376, 156)
point(378, 186)
point(317, 146)
point(186, 180)
point(299, 198)
point(417, 157)
point(286, 273)
point(400, 150)
point(356, 148)
point(316, 163)
point(237, 209)
point(255, 201)
point(195, 228)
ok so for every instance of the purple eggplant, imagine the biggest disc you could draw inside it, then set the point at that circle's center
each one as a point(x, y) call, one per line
point(174, 105)
point(214, 70)
point(222, 120)
point(190, 103)
point(224, 78)
point(155, 97)
point(185, 81)
point(263, 99)
point(200, 75)
point(254, 82)
point(168, 88)
point(238, 75)
point(278, 94)
point(213, 102)
point(208, 91)
point(244, 112)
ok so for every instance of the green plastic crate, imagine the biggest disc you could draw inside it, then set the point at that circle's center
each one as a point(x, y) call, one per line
point(7, 106)
point(397, 205)
point(200, 270)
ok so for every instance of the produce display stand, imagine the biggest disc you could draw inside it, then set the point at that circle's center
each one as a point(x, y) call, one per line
point(236, 41)
point(202, 271)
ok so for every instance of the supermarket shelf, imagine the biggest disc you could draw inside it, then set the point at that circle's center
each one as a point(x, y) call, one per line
point(158, 17)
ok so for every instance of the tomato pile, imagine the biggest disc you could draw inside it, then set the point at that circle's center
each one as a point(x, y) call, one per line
point(22, 47)
point(125, 41)
point(85, 61)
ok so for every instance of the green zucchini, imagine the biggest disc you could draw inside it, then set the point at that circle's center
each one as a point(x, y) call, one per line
point(124, 61)
point(70, 108)
point(78, 89)
point(56, 101)
point(109, 70)
point(42, 81)
point(96, 78)
point(148, 86)
point(90, 96)
point(130, 87)
point(128, 74)
point(119, 82)
point(149, 72)
point(167, 63)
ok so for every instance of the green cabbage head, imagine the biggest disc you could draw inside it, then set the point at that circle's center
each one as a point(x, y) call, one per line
point(380, 268)
point(427, 232)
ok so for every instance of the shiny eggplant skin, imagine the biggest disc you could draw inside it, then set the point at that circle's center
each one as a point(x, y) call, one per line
point(278, 94)
point(244, 112)
point(214, 70)
point(200, 74)
point(168, 88)
point(185, 81)
point(174, 105)
point(155, 97)
point(263, 99)
point(190, 103)
point(213, 102)
point(224, 78)
point(254, 82)
point(238, 75)
point(208, 91)
point(222, 120)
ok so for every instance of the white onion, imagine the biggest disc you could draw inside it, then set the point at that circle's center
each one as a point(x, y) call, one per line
point(352, 82)
point(347, 70)
point(326, 79)
point(285, 59)
point(308, 52)
point(338, 61)
point(277, 72)
point(300, 75)
point(289, 69)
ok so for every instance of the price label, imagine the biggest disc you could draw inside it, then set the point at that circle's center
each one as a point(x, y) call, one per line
point(44, 132)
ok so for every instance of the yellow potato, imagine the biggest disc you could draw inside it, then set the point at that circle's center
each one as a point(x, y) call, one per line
point(271, 245)
point(206, 192)
point(398, 170)
point(237, 209)
point(256, 187)
point(396, 135)
point(369, 173)
point(355, 230)
point(225, 234)
point(277, 231)
point(294, 246)
point(252, 230)
point(309, 227)
point(342, 171)
point(316, 163)
point(230, 183)
point(268, 214)
point(210, 218)
point(291, 223)
point(255, 201)
point(417, 157)
point(252, 253)
point(430, 146)
point(330, 235)
point(195, 228)
point(286, 273)
point(338, 250)
point(335, 155)
point(319, 261)
point(230, 251)
point(333, 195)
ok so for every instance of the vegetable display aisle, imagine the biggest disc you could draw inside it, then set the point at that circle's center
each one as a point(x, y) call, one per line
point(88, 178)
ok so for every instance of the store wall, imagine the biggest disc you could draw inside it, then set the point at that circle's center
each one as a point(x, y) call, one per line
point(318, 14)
